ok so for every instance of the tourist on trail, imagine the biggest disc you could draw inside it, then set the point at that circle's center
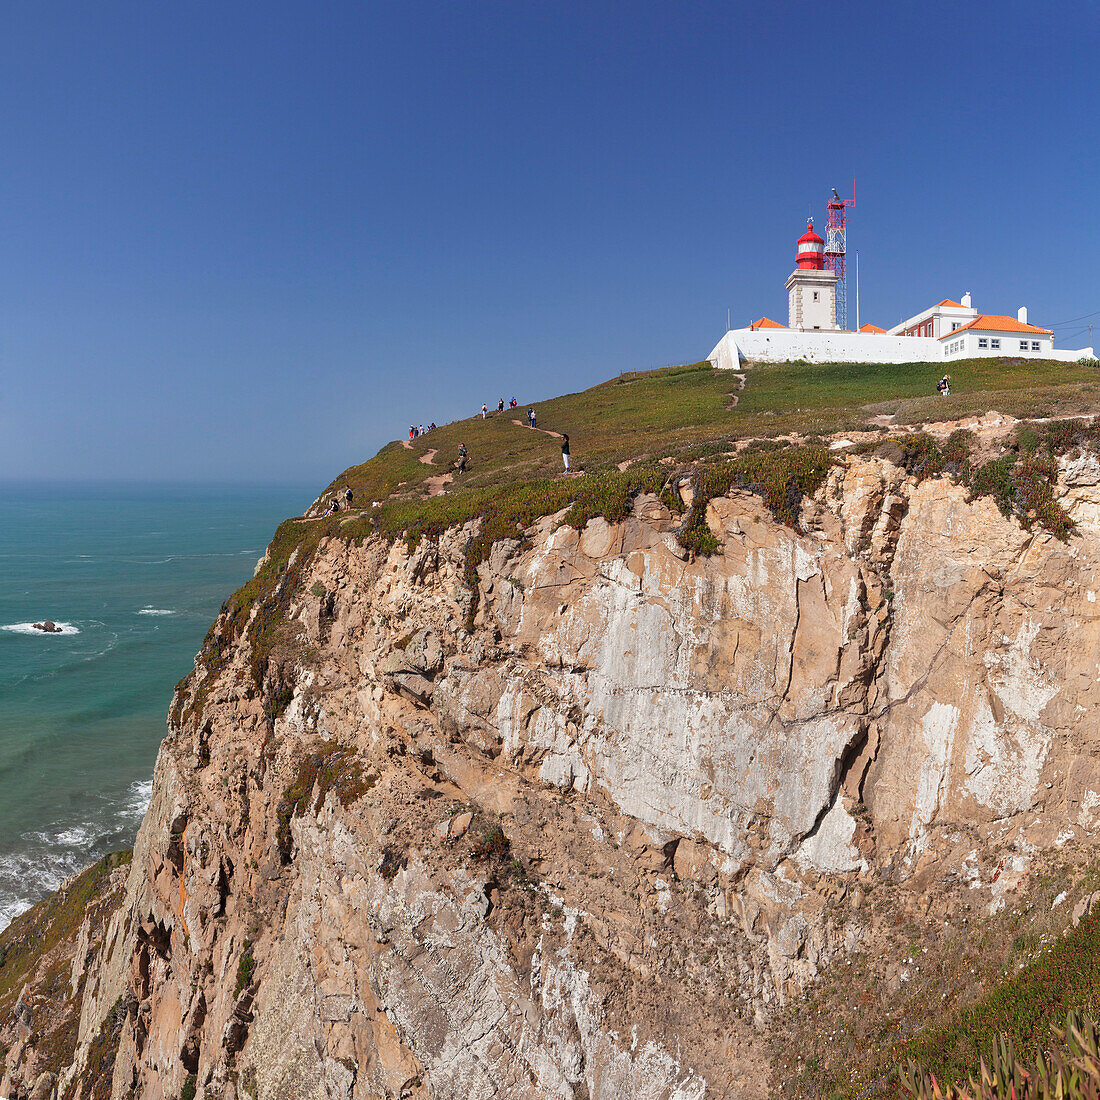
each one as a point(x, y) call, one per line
point(512, 405)
point(531, 417)
point(500, 405)
point(462, 457)
point(347, 497)
point(565, 451)
point(412, 432)
point(484, 410)
point(944, 386)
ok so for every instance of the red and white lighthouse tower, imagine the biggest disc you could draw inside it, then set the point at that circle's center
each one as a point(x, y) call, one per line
point(811, 250)
point(811, 289)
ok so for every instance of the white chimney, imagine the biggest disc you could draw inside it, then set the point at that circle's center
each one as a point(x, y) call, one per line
point(1021, 315)
point(966, 299)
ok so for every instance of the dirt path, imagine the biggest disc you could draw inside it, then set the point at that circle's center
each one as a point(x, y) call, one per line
point(545, 431)
point(429, 458)
point(406, 444)
point(435, 485)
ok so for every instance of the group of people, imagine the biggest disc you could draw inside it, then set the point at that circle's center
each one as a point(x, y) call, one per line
point(463, 459)
point(464, 455)
point(334, 504)
point(500, 407)
point(944, 386)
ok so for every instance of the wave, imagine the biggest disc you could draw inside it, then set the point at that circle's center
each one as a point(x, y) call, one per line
point(28, 628)
point(43, 859)
point(156, 611)
point(138, 801)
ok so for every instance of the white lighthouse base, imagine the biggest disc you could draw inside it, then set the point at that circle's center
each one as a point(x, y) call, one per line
point(772, 345)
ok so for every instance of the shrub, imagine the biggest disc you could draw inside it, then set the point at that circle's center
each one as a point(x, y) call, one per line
point(1070, 1073)
point(493, 844)
point(246, 964)
point(782, 477)
point(330, 767)
point(1024, 488)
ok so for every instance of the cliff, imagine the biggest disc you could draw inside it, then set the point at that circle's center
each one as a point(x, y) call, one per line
point(587, 813)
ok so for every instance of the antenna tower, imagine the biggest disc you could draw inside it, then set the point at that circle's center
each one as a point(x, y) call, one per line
point(836, 258)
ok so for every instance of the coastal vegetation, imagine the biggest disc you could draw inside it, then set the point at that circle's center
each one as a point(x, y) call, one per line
point(937, 1008)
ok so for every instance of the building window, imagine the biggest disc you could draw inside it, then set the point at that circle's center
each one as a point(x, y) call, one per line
point(1034, 345)
point(815, 295)
point(954, 325)
point(994, 344)
point(983, 342)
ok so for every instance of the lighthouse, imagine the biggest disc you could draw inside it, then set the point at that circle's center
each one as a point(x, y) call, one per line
point(811, 290)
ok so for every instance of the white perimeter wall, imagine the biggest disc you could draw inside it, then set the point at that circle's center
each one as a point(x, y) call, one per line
point(782, 345)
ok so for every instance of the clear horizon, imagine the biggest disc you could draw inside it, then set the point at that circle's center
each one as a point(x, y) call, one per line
point(252, 247)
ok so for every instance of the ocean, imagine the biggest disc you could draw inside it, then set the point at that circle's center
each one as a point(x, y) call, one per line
point(134, 576)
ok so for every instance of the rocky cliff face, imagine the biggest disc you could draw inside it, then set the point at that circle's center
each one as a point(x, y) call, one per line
point(589, 848)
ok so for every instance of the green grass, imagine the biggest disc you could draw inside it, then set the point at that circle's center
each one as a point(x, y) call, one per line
point(685, 411)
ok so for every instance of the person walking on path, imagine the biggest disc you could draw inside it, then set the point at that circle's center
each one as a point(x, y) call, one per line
point(513, 402)
point(565, 451)
point(347, 497)
point(531, 417)
point(500, 405)
point(462, 456)
point(484, 410)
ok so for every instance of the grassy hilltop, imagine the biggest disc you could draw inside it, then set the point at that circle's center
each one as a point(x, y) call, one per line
point(688, 412)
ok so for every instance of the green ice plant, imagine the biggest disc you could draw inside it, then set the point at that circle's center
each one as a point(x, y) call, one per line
point(1071, 1072)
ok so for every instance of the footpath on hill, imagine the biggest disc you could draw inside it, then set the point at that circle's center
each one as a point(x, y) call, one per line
point(691, 413)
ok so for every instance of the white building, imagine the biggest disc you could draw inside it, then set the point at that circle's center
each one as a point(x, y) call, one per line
point(992, 334)
point(943, 332)
point(945, 316)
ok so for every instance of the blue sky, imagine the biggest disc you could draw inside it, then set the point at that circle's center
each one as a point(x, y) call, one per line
point(246, 241)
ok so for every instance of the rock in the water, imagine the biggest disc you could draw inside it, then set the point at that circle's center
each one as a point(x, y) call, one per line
point(48, 627)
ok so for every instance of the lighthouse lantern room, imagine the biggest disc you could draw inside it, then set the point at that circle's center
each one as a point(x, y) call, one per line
point(811, 250)
point(811, 290)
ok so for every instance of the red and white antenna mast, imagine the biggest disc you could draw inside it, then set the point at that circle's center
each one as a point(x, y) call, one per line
point(836, 252)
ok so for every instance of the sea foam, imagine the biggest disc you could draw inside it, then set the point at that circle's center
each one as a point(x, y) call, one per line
point(156, 611)
point(28, 628)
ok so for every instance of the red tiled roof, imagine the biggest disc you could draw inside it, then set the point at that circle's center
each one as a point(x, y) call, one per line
point(994, 322)
point(766, 322)
point(949, 302)
point(870, 328)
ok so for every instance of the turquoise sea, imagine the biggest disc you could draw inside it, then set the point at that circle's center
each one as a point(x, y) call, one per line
point(134, 575)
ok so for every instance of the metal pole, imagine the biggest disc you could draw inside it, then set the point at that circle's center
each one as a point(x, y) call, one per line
point(857, 290)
